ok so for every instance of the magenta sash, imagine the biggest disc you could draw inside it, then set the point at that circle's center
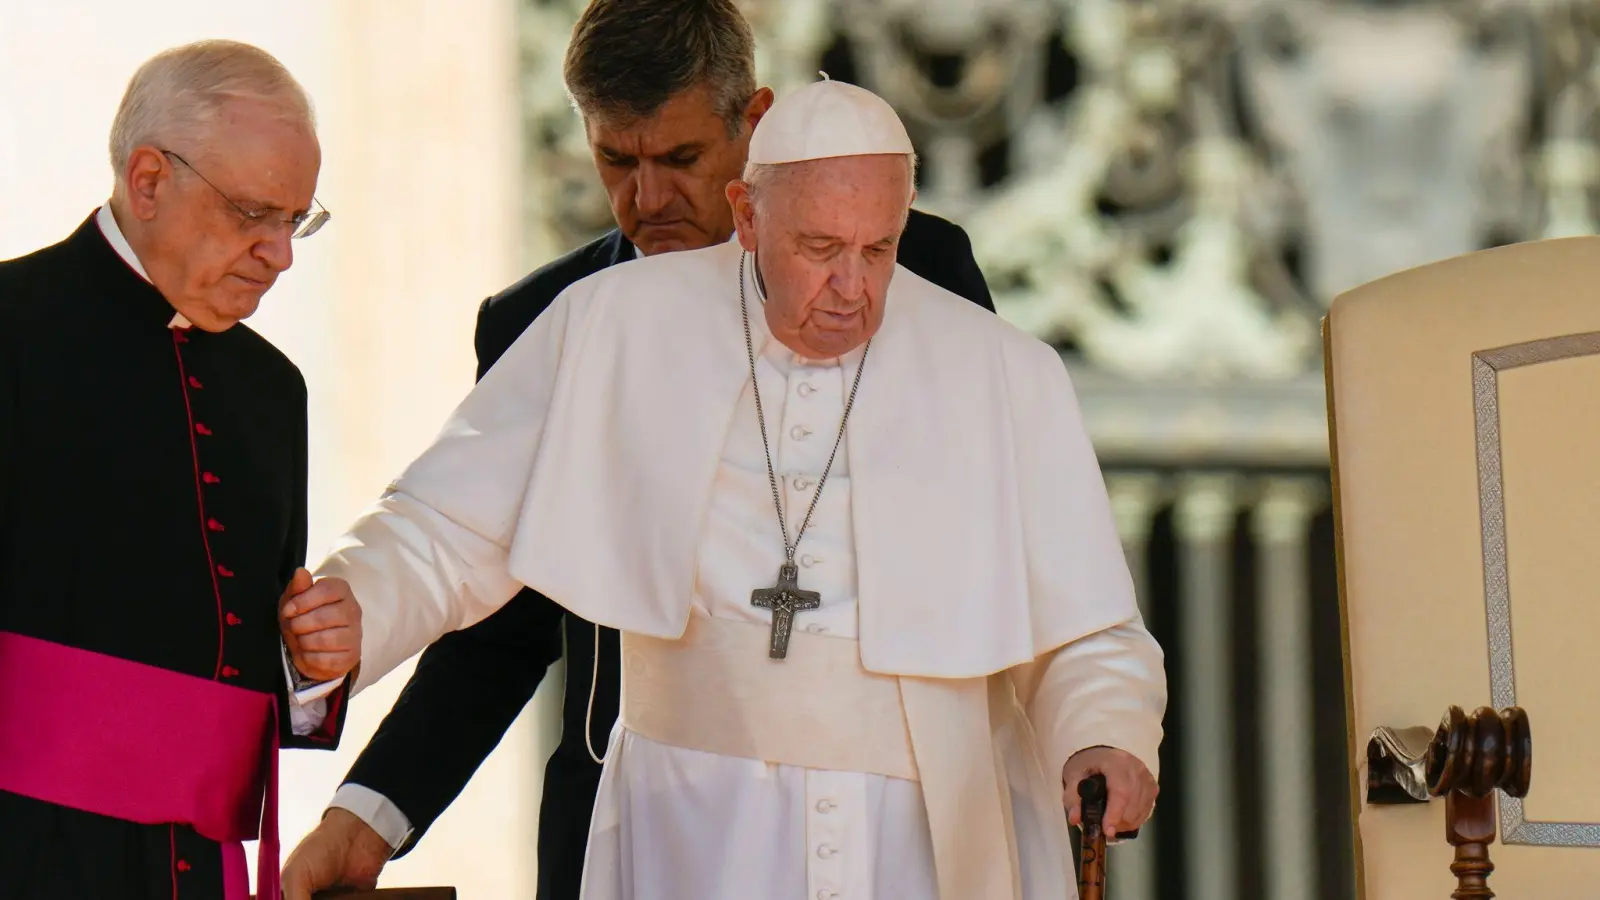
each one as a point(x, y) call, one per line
point(143, 744)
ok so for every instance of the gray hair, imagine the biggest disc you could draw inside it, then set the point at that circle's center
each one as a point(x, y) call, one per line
point(760, 177)
point(627, 58)
point(178, 93)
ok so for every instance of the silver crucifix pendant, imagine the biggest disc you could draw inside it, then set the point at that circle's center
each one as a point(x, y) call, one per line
point(785, 599)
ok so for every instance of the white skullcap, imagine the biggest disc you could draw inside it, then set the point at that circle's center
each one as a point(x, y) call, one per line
point(825, 119)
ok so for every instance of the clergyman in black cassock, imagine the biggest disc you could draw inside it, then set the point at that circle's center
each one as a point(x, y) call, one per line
point(152, 515)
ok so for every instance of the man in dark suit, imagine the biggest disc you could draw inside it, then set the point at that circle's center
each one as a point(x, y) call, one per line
point(667, 92)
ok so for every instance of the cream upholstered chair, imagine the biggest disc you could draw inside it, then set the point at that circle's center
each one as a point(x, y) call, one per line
point(1464, 412)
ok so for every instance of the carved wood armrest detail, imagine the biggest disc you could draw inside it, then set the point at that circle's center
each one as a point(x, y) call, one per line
point(1467, 759)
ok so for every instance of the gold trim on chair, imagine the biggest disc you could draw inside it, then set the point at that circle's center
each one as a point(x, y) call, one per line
point(1353, 774)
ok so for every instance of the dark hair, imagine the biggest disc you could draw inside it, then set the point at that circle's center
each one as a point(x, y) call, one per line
point(627, 58)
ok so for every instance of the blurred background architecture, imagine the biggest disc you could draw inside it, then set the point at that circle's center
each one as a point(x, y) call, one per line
point(1169, 190)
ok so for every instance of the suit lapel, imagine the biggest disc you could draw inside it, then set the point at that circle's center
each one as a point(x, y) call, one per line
point(619, 249)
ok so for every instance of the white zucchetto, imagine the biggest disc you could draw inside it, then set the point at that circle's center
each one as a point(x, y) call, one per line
point(826, 119)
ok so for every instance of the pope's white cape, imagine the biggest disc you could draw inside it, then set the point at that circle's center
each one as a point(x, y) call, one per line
point(583, 463)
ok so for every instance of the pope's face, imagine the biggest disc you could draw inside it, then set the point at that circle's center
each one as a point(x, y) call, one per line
point(665, 175)
point(825, 234)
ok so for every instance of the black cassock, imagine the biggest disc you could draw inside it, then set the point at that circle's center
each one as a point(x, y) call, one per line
point(153, 508)
point(470, 685)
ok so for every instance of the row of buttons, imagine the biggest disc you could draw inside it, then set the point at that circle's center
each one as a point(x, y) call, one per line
point(825, 806)
point(208, 479)
point(802, 483)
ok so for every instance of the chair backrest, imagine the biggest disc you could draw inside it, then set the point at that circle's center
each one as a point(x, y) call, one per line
point(1464, 411)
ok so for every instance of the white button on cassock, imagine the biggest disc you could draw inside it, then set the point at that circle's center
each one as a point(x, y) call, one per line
point(799, 432)
point(833, 833)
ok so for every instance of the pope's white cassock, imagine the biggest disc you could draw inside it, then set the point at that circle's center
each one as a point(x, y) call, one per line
point(977, 622)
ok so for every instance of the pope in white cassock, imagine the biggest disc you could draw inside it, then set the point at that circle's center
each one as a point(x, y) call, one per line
point(875, 613)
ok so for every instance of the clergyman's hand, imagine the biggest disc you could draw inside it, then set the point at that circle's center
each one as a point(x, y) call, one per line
point(1131, 789)
point(321, 625)
point(341, 852)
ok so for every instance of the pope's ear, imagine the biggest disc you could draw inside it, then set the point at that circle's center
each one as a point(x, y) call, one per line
point(744, 213)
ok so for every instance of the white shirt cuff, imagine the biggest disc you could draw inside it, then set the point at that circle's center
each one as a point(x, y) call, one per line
point(374, 809)
point(307, 707)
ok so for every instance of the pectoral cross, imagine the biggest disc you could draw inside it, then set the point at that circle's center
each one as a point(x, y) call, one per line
point(785, 599)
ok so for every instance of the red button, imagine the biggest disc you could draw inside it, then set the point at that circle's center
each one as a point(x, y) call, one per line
point(224, 571)
point(183, 865)
point(229, 672)
point(209, 478)
point(201, 427)
point(214, 525)
point(233, 619)
point(195, 383)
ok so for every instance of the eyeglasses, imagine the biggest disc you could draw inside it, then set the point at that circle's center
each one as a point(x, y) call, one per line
point(302, 226)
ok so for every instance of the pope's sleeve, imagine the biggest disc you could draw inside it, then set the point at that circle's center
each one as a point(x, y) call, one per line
point(1098, 677)
point(1108, 689)
point(431, 555)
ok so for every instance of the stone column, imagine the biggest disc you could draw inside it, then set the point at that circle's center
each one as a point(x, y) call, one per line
point(1204, 523)
point(1281, 522)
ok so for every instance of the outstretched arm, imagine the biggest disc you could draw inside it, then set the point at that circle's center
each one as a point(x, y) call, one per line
point(431, 556)
point(468, 687)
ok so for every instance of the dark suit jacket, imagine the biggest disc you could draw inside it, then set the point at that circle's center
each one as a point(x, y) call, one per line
point(470, 685)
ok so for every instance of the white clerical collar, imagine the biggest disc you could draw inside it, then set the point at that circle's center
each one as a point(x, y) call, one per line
point(119, 243)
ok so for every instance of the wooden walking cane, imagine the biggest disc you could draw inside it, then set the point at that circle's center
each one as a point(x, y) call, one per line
point(1092, 796)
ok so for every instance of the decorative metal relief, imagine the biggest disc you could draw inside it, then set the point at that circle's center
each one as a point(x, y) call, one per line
point(1172, 190)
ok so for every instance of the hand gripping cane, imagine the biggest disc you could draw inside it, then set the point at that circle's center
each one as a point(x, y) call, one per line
point(1092, 796)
